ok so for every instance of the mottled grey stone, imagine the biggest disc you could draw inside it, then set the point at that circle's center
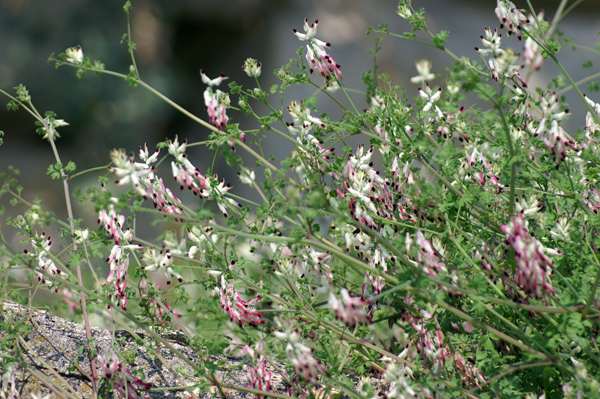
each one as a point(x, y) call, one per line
point(55, 347)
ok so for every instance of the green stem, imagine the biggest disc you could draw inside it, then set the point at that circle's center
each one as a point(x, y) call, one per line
point(513, 165)
point(473, 321)
point(592, 295)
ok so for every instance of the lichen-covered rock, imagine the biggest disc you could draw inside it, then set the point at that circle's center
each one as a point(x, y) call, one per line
point(57, 360)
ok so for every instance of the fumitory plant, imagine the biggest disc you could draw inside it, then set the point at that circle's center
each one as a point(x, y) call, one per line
point(452, 253)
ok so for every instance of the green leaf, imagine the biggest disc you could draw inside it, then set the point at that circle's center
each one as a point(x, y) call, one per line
point(12, 105)
point(440, 39)
point(552, 47)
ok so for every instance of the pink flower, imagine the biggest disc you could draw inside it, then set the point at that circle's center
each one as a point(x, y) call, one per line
point(427, 257)
point(123, 381)
point(348, 309)
point(215, 107)
point(215, 102)
point(188, 176)
point(260, 377)
point(239, 311)
point(534, 267)
point(557, 141)
point(469, 373)
point(533, 55)
point(43, 257)
point(113, 224)
point(118, 276)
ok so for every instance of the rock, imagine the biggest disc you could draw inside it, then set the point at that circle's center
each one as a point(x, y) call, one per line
point(54, 352)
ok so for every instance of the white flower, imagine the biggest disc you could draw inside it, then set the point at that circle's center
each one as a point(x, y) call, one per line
point(247, 175)
point(423, 68)
point(82, 235)
point(311, 30)
point(74, 55)
point(430, 96)
point(404, 10)
point(38, 395)
point(212, 82)
point(129, 171)
point(144, 156)
point(492, 42)
point(590, 123)
point(49, 126)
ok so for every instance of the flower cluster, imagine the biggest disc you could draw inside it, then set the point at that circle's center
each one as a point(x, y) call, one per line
point(317, 56)
point(140, 175)
point(592, 127)
point(43, 257)
point(303, 121)
point(427, 256)
point(400, 378)
point(501, 62)
point(511, 17)
point(119, 264)
point(299, 355)
point(368, 194)
point(431, 347)
point(477, 157)
point(430, 97)
point(188, 176)
point(216, 102)
point(533, 55)
point(492, 41)
point(310, 147)
point(239, 311)
point(470, 375)
point(49, 127)
point(8, 389)
point(347, 309)
point(260, 377)
point(125, 383)
point(306, 262)
point(252, 67)
point(424, 70)
point(534, 267)
point(74, 55)
point(114, 225)
point(155, 259)
point(555, 138)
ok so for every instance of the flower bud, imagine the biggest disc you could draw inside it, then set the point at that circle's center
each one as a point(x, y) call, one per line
point(74, 55)
point(252, 67)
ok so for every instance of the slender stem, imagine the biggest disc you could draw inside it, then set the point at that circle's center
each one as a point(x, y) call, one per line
point(513, 165)
point(130, 46)
point(465, 316)
point(592, 295)
point(82, 299)
point(510, 370)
